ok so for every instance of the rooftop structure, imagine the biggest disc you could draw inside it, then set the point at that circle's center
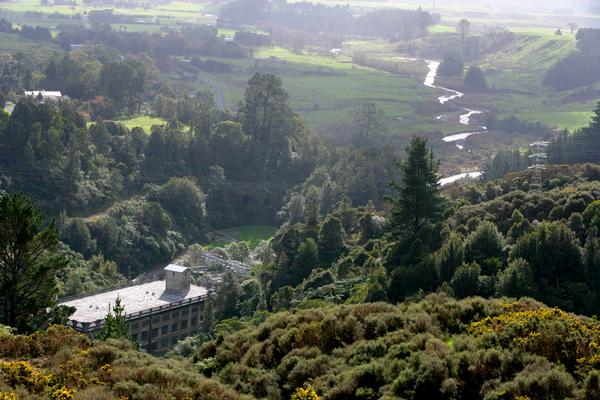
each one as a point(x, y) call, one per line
point(46, 95)
point(173, 302)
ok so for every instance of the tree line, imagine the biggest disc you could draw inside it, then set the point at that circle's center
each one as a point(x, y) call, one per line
point(390, 24)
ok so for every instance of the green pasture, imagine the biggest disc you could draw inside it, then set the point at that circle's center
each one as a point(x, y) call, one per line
point(12, 43)
point(325, 90)
point(570, 120)
point(515, 76)
point(175, 9)
point(145, 122)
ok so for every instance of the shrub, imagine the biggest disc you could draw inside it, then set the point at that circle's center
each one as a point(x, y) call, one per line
point(305, 393)
point(465, 281)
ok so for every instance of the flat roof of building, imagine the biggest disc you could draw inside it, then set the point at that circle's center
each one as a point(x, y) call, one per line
point(175, 268)
point(134, 298)
point(44, 93)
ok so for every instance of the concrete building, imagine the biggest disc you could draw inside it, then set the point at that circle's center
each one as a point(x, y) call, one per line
point(159, 312)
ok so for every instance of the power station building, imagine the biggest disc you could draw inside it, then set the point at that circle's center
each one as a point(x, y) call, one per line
point(159, 313)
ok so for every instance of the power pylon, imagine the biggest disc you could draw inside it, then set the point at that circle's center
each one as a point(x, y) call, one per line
point(538, 158)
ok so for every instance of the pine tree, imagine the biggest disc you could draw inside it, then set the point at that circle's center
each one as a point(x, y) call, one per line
point(475, 78)
point(29, 262)
point(226, 302)
point(419, 201)
point(115, 324)
point(208, 315)
point(331, 240)
point(451, 256)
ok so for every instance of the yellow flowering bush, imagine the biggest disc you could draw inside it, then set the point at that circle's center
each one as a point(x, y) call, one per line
point(63, 394)
point(305, 393)
point(22, 373)
point(82, 368)
point(549, 332)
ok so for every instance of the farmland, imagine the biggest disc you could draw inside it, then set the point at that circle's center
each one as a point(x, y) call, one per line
point(325, 89)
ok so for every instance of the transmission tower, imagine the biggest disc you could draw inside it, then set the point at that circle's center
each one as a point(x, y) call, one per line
point(538, 159)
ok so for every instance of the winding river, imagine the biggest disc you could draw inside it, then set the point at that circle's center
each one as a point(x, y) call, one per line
point(464, 119)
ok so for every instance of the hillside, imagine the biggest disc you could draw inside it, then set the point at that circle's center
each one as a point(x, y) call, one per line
point(437, 348)
point(60, 364)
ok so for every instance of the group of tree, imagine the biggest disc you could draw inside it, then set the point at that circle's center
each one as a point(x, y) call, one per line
point(309, 17)
point(565, 148)
point(452, 65)
point(579, 147)
point(239, 167)
point(491, 241)
point(38, 33)
point(36, 268)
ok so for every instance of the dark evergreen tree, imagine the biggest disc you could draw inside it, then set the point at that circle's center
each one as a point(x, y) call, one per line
point(451, 256)
point(452, 65)
point(465, 281)
point(331, 240)
point(368, 124)
point(419, 201)
point(475, 78)
point(516, 280)
point(207, 321)
point(29, 261)
point(115, 325)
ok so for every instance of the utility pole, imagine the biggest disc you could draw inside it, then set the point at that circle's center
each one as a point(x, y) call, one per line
point(538, 157)
point(434, 6)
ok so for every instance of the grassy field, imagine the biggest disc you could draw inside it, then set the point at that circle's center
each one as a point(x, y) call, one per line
point(156, 17)
point(145, 122)
point(12, 43)
point(516, 73)
point(253, 234)
point(325, 90)
point(175, 9)
point(570, 120)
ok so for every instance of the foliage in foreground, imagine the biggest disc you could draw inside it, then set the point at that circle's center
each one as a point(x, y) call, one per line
point(62, 365)
point(438, 348)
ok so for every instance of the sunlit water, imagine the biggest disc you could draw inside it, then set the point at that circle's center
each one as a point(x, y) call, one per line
point(464, 119)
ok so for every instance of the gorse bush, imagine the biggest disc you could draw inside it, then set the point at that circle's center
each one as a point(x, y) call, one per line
point(70, 366)
point(438, 348)
point(305, 393)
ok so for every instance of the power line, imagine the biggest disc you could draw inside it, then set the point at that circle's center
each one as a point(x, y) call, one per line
point(538, 156)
